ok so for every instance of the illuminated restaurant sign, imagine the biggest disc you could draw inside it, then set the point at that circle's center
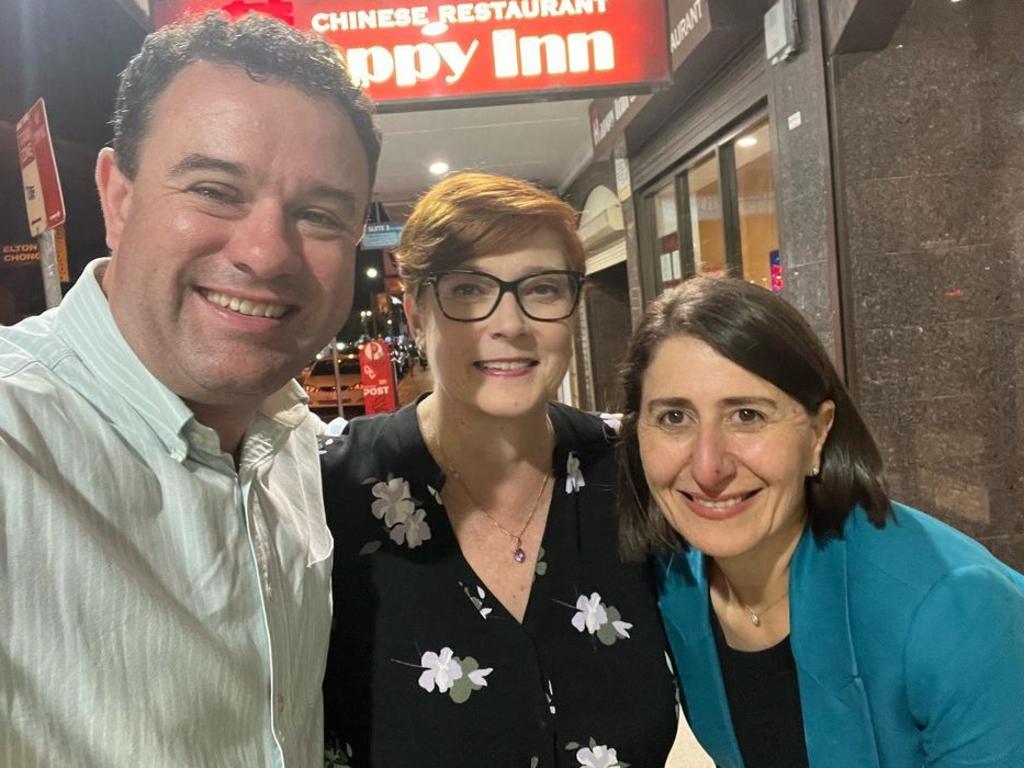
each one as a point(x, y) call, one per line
point(503, 50)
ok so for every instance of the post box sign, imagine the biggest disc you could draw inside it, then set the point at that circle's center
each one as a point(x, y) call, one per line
point(502, 50)
point(376, 378)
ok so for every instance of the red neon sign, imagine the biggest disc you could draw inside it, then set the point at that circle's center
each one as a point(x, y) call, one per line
point(404, 53)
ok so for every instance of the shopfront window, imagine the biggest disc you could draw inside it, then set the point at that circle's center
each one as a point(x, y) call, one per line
point(666, 231)
point(755, 191)
point(716, 215)
point(706, 218)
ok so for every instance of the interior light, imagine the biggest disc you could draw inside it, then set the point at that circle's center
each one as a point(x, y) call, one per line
point(747, 141)
point(371, 272)
point(439, 168)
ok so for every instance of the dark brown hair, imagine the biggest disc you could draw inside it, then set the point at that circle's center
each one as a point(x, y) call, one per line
point(475, 214)
point(263, 47)
point(766, 336)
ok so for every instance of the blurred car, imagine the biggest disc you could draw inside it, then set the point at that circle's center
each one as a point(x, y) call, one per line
point(322, 388)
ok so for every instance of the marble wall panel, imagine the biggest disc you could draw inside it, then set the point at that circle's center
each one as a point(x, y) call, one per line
point(892, 214)
point(805, 229)
point(930, 146)
point(937, 285)
point(936, 360)
point(806, 287)
point(804, 185)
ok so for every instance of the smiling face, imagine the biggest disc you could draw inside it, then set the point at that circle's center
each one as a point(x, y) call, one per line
point(234, 245)
point(725, 453)
point(507, 364)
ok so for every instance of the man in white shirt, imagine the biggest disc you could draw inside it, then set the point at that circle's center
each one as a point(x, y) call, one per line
point(164, 561)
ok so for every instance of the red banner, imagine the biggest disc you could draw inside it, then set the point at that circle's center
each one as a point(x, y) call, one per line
point(413, 53)
point(378, 381)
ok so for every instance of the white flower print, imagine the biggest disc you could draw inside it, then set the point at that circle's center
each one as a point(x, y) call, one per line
point(594, 616)
point(441, 670)
point(597, 757)
point(573, 476)
point(337, 756)
point(622, 628)
point(393, 503)
point(477, 676)
point(477, 600)
point(484, 611)
point(612, 420)
point(437, 496)
point(591, 614)
point(447, 673)
point(413, 530)
point(397, 508)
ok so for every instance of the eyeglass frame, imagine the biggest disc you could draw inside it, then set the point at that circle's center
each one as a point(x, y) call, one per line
point(508, 286)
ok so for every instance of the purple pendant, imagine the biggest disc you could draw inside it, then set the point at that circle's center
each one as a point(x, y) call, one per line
point(519, 555)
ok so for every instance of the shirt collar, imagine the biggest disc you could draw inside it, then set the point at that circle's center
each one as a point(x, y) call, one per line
point(88, 327)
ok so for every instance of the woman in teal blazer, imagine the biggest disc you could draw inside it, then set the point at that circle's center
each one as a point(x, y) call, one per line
point(813, 622)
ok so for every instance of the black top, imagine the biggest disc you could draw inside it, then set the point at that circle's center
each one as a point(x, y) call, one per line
point(427, 669)
point(764, 701)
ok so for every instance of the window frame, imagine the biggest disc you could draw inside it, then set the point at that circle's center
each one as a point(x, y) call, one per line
point(723, 149)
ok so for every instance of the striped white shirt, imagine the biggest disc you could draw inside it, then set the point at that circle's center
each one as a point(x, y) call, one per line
point(158, 605)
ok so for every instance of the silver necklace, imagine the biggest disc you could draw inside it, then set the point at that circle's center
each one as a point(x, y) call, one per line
point(518, 553)
point(755, 616)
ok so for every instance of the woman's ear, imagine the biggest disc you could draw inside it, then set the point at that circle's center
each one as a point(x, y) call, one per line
point(821, 423)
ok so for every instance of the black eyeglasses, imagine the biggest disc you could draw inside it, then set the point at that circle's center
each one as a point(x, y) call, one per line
point(467, 296)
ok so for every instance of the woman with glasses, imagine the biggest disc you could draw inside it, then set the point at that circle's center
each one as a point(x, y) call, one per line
point(482, 615)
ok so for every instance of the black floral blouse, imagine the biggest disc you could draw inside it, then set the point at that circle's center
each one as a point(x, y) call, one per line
point(426, 669)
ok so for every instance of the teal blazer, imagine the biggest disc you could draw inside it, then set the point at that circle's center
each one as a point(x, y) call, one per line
point(908, 641)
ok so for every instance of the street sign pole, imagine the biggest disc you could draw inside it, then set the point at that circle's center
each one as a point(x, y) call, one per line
point(51, 271)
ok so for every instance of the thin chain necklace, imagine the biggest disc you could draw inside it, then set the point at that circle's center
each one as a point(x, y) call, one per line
point(755, 616)
point(518, 553)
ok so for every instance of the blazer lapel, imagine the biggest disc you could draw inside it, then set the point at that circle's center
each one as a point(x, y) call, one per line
point(684, 606)
point(836, 714)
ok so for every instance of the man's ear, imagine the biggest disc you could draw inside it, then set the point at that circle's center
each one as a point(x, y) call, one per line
point(115, 196)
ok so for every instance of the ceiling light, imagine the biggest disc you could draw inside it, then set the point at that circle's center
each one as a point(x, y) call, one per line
point(747, 141)
point(371, 272)
point(439, 168)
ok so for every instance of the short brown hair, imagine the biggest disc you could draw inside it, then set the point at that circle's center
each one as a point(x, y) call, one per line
point(263, 47)
point(475, 214)
point(764, 334)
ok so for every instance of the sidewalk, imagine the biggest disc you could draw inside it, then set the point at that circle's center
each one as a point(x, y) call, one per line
point(687, 753)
